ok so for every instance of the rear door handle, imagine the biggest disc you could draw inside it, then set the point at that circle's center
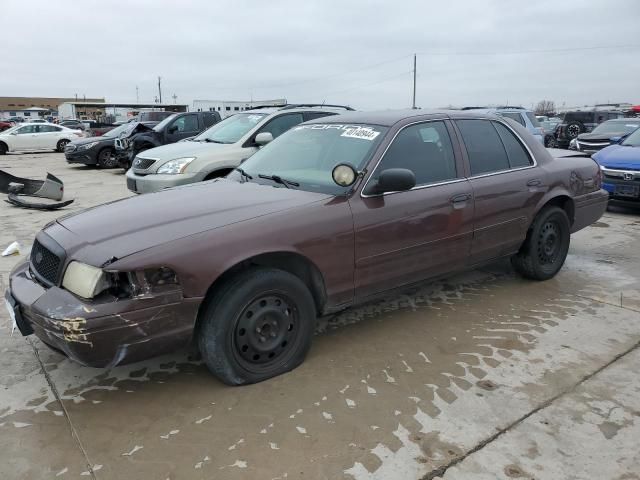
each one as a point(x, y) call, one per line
point(534, 183)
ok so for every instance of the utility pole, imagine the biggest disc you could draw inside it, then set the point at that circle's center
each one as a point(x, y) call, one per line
point(174, 96)
point(414, 81)
point(159, 89)
point(137, 95)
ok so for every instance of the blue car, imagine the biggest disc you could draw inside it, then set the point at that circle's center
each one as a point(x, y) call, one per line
point(620, 165)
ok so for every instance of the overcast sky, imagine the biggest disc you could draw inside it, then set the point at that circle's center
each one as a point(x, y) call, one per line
point(353, 52)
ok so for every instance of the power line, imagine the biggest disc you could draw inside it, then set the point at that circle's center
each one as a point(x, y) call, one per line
point(526, 52)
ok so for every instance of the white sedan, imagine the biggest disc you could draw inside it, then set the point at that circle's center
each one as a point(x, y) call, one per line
point(36, 136)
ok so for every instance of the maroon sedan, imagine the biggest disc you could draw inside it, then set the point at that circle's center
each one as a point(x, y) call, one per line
point(331, 214)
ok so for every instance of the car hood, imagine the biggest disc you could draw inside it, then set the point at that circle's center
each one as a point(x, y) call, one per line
point(134, 224)
point(185, 149)
point(85, 140)
point(619, 156)
point(602, 137)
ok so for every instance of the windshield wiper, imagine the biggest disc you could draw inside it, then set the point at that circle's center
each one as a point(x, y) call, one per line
point(244, 174)
point(280, 180)
point(214, 141)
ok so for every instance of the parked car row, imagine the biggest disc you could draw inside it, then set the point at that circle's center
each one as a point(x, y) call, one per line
point(335, 211)
point(36, 136)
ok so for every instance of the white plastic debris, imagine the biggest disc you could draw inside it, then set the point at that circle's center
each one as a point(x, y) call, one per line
point(13, 249)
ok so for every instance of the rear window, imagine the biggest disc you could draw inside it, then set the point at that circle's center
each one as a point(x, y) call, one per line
point(484, 147)
point(584, 117)
point(153, 116)
point(513, 116)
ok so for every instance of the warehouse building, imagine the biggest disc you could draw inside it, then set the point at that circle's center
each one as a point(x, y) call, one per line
point(229, 107)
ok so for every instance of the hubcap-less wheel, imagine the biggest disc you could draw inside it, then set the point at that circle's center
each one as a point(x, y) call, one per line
point(62, 144)
point(265, 331)
point(549, 243)
point(107, 159)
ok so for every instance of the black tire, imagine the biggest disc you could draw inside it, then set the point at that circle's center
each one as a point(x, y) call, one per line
point(574, 129)
point(550, 141)
point(545, 249)
point(259, 324)
point(3, 148)
point(61, 144)
point(106, 158)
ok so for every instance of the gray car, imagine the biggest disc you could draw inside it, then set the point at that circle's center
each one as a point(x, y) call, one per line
point(219, 149)
point(524, 117)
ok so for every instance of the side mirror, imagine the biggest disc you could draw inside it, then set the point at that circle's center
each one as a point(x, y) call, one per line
point(394, 180)
point(618, 139)
point(172, 129)
point(263, 138)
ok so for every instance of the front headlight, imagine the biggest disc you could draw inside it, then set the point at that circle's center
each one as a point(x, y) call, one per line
point(87, 146)
point(176, 166)
point(85, 280)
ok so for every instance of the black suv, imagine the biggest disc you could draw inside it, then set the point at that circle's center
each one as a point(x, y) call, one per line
point(170, 130)
point(575, 123)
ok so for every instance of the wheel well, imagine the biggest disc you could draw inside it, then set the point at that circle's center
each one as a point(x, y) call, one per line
point(564, 202)
point(293, 263)
point(218, 173)
point(5, 145)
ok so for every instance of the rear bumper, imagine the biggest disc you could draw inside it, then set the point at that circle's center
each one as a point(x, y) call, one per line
point(589, 208)
point(100, 335)
point(156, 182)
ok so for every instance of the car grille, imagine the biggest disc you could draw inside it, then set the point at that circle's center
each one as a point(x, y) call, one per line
point(45, 263)
point(592, 146)
point(141, 163)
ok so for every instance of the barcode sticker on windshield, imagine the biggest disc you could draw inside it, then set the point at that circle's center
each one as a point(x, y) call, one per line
point(364, 133)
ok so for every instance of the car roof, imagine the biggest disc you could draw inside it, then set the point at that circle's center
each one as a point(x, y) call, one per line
point(294, 109)
point(622, 120)
point(388, 118)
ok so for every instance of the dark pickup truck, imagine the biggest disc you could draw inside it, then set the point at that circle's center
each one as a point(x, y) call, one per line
point(170, 130)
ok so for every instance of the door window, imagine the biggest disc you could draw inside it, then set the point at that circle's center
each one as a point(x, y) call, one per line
point(484, 148)
point(281, 124)
point(426, 150)
point(518, 156)
point(48, 128)
point(514, 116)
point(187, 123)
point(27, 129)
point(209, 119)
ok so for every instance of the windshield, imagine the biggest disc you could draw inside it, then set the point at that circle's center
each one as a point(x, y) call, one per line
point(633, 140)
point(617, 127)
point(231, 129)
point(159, 127)
point(116, 131)
point(307, 155)
point(9, 130)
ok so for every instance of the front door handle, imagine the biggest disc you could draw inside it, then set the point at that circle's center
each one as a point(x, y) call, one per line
point(534, 183)
point(459, 200)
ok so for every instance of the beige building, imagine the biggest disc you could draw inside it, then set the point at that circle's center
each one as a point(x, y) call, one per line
point(19, 106)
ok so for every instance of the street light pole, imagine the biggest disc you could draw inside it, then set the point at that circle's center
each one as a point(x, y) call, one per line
point(159, 90)
point(414, 81)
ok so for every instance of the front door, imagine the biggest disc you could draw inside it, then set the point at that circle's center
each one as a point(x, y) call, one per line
point(506, 186)
point(405, 237)
point(183, 127)
point(27, 138)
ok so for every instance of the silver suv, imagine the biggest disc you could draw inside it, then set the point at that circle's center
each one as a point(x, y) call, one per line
point(219, 149)
point(524, 117)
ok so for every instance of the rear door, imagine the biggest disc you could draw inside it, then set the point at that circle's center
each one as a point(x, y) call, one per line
point(405, 237)
point(49, 136)
point(506, 187)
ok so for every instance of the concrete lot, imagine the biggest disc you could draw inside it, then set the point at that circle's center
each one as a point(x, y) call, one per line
point(482, 375)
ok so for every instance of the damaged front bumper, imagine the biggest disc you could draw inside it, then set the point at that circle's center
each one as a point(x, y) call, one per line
point(100, 334)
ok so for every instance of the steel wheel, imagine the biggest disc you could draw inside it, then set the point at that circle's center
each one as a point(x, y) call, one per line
point(549, 243)
point(265, 331)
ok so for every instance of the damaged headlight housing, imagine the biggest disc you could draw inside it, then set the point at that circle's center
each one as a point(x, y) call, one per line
point(87, 146)
point(178, 165)
point(84, 280)
point(88, 281)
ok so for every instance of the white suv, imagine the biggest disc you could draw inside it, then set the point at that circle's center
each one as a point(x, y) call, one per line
point(36, 136)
